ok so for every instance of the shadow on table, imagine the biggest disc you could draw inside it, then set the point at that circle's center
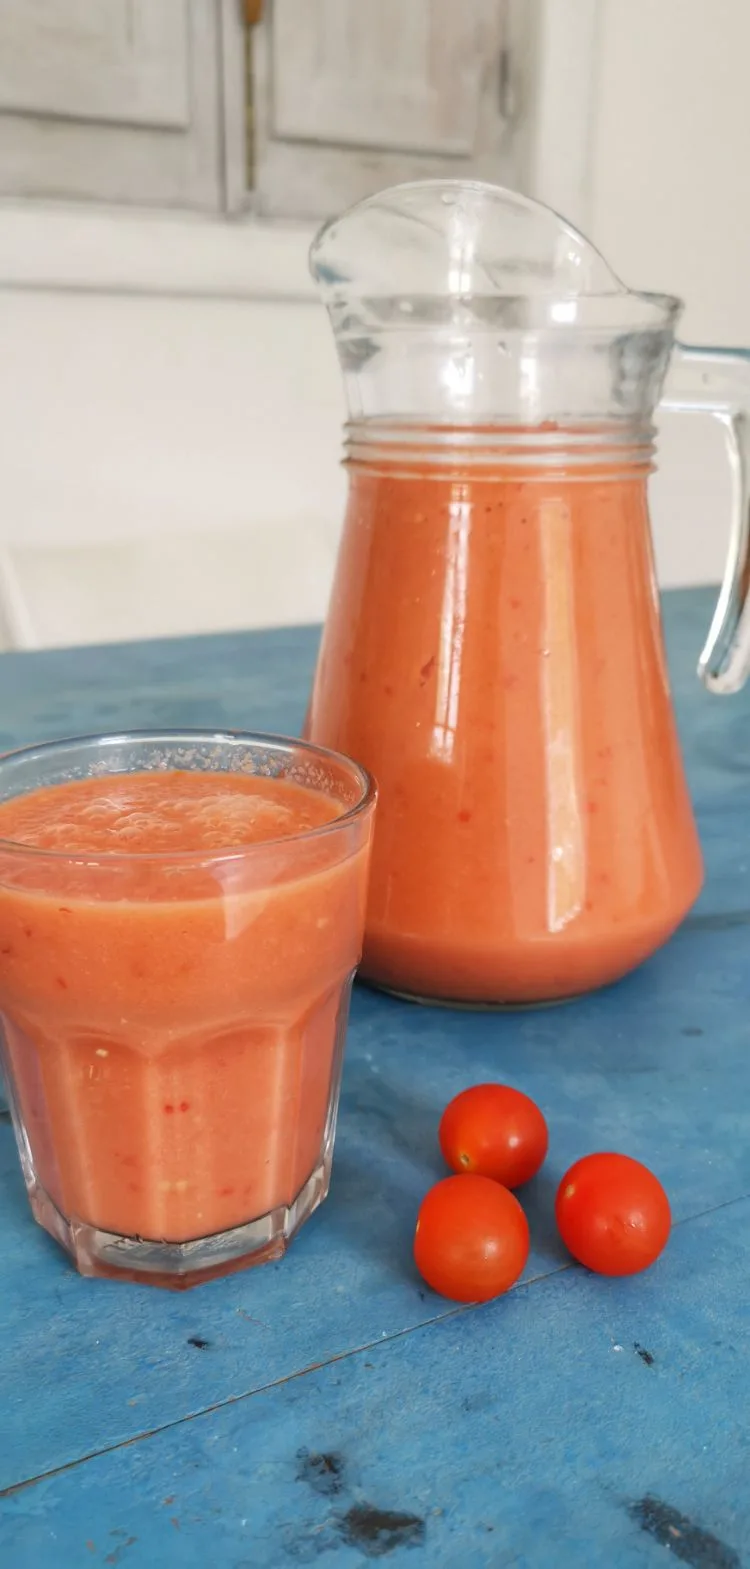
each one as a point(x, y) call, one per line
point(387, 1157)
point(391, 1117)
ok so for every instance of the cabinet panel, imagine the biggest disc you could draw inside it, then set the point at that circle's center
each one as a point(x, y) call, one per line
point(401, 77)
point(119, 61)
point(116, 100)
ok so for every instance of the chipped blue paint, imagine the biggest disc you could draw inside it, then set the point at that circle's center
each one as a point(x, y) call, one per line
point(516, 1434)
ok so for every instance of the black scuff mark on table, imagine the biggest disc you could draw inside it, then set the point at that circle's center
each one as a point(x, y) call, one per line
point(685, 1540)
point(199, 1343)
point(322, 1470)
point(719, 921)
point(377, 1532)
point(115, 1557)
point(645, 1356)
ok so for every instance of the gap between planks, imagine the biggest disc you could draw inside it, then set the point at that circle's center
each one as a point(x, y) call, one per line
point(314, 1367)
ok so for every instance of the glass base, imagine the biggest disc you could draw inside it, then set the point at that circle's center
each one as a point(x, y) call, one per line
point(468, 1007)
point(180, 1265)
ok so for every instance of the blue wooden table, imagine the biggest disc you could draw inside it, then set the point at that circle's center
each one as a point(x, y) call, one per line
point(330, 1410)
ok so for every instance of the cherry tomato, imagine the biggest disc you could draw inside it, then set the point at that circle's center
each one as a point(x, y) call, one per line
point(472, 1239)
point(613, 1214)
point(496, 1132)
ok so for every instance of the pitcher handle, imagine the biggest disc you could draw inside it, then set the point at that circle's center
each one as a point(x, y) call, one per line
point(717, 381)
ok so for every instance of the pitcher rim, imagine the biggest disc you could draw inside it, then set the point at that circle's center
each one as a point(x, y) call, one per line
point(661, 308)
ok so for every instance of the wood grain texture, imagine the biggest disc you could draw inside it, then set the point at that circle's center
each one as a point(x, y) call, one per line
point(329, 1409)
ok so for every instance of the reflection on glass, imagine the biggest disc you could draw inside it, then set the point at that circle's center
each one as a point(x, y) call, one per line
point(452, 629)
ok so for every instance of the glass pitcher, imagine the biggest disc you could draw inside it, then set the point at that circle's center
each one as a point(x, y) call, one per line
point(493, 650)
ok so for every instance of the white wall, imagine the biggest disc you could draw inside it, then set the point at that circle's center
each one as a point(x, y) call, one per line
point(670, 209)
point(671, 155)
point(168, 465)
point(126, 415)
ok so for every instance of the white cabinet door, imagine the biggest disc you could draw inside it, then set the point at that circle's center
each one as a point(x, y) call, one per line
point(150, 101)
point(351, 95)
point(112, 99)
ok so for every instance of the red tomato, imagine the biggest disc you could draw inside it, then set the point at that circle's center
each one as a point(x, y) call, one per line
point(472, 1239)
point(495, 1131)
point(613, 1214)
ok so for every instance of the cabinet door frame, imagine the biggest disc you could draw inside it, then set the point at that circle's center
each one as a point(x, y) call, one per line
point(561, 82)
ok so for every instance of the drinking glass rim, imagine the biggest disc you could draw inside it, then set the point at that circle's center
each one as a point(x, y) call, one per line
point(259, 738)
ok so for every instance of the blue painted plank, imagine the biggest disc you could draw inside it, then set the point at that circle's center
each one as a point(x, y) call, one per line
point(243, 680)
point(577, 1422)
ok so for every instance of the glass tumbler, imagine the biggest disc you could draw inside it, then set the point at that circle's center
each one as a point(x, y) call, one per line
point(173, 1022)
